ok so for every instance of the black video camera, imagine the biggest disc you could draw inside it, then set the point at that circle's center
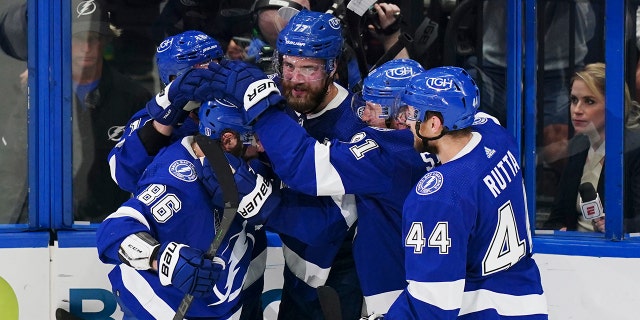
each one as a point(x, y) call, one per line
point(371, 18)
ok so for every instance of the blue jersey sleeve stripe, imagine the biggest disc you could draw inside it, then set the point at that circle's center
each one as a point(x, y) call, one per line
point(328, 180)
point(504, 304)
point(444, 295)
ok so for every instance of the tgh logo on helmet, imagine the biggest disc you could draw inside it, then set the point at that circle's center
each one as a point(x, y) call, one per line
point(439, 83)
point(399, 73)
point(166, 44)
point(334, 23)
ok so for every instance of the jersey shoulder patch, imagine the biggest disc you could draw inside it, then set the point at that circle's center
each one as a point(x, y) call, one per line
point(183, 170)
point(430, 183)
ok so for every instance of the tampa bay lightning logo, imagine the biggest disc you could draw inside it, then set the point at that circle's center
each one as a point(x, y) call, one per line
point(85, 8)
point(115, 133)
point(479, 120)
point(183, 170)
point(430, 183)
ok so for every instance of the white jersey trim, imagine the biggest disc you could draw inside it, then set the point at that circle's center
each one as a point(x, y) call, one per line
point(381, 302)
point(348, 208)
point(142, 291)
point(334, 103)
point(187, 143)
point(310, 273)
point(504, 304)
point(450, 296)
point(328, 180)
point(475, 140)
point(112, 165)
point(444, 295)
point(256, 269)
point(128, 212)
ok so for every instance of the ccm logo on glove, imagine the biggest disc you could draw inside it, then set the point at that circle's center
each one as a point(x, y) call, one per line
point(259, 90)
point(251, 204)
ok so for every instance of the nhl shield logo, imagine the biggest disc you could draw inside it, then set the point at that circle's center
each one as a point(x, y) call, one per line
point(430, 183)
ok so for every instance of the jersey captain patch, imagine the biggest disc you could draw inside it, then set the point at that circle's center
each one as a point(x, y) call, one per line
point(183, 170)
point(430, 183)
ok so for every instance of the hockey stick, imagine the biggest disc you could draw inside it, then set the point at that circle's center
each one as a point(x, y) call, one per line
point(330, 303)
point(213, 151)
point(62, 314)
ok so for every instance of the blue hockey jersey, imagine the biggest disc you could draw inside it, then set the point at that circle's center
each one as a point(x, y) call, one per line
point(128, 159)
point(171, 204)
point(467, 239)
point(309, 255)
point(379, 166)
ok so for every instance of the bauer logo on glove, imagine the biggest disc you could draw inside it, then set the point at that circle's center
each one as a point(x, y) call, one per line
point(259, 90)
point(251, 204)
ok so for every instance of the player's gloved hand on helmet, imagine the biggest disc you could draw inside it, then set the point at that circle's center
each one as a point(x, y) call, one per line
point(245, 85)
point(257, 194)
point(169, 107)
point(188, 269)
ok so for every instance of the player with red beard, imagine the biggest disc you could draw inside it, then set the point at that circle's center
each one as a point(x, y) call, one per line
point(307, 52)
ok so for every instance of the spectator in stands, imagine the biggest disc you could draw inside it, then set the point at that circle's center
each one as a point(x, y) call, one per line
point(558, 59)
point(587, 154)
point(103, 101)
point(13, 123)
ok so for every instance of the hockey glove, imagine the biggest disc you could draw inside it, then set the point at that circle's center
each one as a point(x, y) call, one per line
point(244, 84)
point(375, 316)
point(187, 269)
point(169, 107)
point(258, 197)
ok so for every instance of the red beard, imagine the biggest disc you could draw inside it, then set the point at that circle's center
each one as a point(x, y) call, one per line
point(308, 102)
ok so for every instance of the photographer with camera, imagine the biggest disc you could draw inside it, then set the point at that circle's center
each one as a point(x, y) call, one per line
point(257, 47)
point(383, 22)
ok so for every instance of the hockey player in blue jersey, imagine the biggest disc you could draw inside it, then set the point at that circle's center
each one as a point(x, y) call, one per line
point(378, 165)
point(465, 225)
point(307, 51)
point(157, 239)
point(377, 104)
point(164, 121)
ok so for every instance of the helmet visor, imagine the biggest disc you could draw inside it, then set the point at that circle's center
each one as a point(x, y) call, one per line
point(302, 69)
point(372, 113)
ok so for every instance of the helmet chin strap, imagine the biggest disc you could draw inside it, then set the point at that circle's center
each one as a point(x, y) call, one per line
point(425, 139)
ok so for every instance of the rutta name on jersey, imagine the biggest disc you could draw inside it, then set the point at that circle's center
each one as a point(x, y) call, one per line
point(502, 174)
